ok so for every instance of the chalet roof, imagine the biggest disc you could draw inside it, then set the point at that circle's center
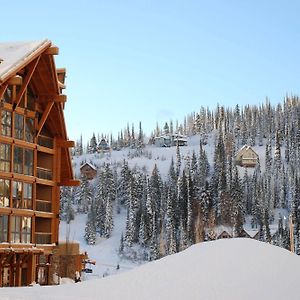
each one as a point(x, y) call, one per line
point(88, 164)
point(244, 149)
point(14, 55)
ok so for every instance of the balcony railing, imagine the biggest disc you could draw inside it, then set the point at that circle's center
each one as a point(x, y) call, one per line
point(45, 141)
point(44, 173)
point(42, 205)
point(42, 238)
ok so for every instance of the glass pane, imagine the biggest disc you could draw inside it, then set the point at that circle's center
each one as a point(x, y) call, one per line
point(19, 126)
point(27, 195)
point(3, 228)
point(8, 94)
point(5, 150)
point(29, 130)
point(15, 232)
point(28, 162)
point(4, 192)
point(17, 194)
point(6, 123)
point(26, 230)
point(30, 100)
point(18, 159)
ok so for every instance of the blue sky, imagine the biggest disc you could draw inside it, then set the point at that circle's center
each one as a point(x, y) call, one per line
point(152, 61)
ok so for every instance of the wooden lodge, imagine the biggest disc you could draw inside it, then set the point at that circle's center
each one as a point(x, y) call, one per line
point(88, 170)
point(34, 161)
point(246, 157)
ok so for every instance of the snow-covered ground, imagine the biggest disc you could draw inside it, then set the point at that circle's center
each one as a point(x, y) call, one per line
point(105, 251)
point(224, 269)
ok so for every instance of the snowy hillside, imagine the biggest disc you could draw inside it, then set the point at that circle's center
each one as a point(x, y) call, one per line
point(232, 269)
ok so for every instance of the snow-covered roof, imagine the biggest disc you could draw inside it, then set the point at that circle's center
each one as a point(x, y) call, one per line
point(89, 164)
point(244, 149)
point(13, 55)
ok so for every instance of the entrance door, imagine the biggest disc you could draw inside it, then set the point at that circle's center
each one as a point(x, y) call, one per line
point(24, 277)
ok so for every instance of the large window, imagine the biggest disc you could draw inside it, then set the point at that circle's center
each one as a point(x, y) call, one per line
point(26, 230)
point(19, 127)
point(29, 130)
point(15, 229)
point(23, 161)
point(27, 195)
point(18, 159)
point(5, 155)
point(6, 123)
point(28, 163)
point(4, 192)
point(22, 195)
point(20, 229)
point(3, 228)
point(17, 188)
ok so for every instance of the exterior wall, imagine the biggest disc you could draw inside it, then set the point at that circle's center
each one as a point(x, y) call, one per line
point(30, 164)
point(88, 171)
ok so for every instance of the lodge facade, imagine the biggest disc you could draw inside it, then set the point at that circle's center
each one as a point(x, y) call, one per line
point(34, 161)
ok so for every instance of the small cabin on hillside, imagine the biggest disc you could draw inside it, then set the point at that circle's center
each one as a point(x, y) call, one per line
point(88, 170)
point(103, 146)
point(169, 140)
point(246, 157)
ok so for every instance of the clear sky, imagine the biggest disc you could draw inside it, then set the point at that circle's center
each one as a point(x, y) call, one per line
point(156, 60)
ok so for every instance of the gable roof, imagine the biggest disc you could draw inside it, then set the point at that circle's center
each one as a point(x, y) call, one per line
point(88, 164)
point(15, 55)
point(244, 149)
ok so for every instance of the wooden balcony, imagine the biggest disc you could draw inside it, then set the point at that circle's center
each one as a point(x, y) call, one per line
point(42, 205)
point(44, 173)
point(45, 141)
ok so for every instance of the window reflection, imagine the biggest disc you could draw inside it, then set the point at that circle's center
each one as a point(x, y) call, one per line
point(4, 192)
point(17, 194)
point(18, 159)
point(5, 155)
point(19, 126)
point(3, 228)
point(6, 123)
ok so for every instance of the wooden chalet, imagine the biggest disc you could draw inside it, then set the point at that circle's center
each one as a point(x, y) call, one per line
point(88, 170)
point(34, 161)
point(246, 157)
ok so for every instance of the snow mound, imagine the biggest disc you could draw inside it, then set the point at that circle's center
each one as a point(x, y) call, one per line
point(224, 269)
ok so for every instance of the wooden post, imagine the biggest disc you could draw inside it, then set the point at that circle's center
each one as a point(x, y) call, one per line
point(291, 234)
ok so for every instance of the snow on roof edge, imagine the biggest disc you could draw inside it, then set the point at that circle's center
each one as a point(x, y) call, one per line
point(21, 60)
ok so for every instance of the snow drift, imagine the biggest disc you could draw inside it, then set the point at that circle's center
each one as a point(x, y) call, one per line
point(223, 269)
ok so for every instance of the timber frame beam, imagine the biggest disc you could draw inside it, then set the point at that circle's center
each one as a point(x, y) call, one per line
point(32, 68)
point(44, 117)
point(3, 89)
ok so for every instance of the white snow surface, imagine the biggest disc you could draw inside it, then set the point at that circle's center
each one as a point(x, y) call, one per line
point(224, 269)
point(13, 54)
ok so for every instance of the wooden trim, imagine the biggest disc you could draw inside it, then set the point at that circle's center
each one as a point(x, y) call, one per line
point(15, 80)
point(70, 182)
point(44, 117)
point(65, 144)
point(45, 182)
point(62, 98)
point(32, 66)
point(53, 50)
point(45, 149)
point(47, 215)
point(3, 89)
point(22, 212)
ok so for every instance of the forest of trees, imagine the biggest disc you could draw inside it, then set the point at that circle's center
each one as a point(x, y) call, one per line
point(166, 215)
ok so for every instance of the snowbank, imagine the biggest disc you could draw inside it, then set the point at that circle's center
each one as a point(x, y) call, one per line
point(224, 269)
